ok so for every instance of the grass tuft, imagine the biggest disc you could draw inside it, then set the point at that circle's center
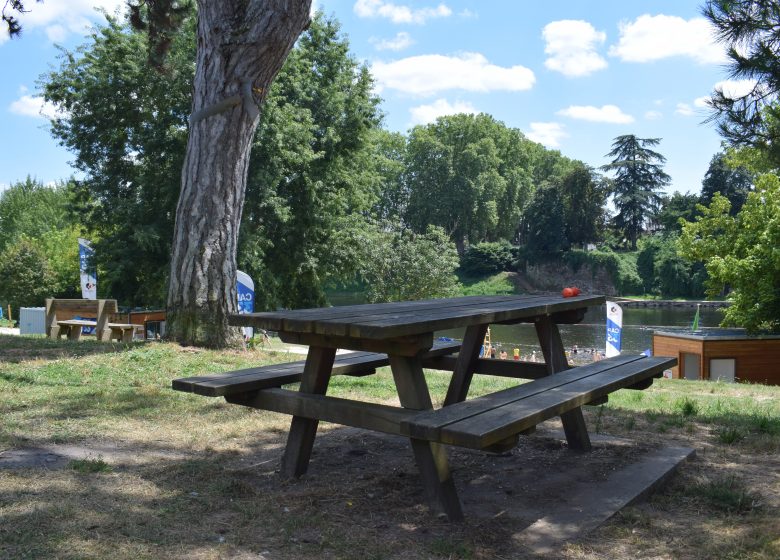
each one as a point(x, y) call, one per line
point(727, 494)
point(88, 465)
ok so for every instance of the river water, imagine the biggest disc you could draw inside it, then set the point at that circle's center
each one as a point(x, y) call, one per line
point(637, 336)
point(638, 326)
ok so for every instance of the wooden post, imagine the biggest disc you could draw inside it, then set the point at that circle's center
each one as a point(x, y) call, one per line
point(431, 457)
point(300, 440)
point(52, 329)
point(464, 367)
point(555, 358)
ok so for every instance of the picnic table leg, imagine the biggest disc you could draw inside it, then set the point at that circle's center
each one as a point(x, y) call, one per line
point(465, 365)
point(300, 440)
point(555, 358)
point(74, 333)
point(431, 457)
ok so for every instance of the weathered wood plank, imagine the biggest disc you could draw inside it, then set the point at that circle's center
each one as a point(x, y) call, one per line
point(431, 457)
point(403, 346)
point(370, 416)
point(464, 366)
point(499, 423)
point(555, 357)
point(314, 380)
point(427, 425)
point(407, 324)
point(485, 366)
point(300, 320)
point(390, 320)
point(276, 375)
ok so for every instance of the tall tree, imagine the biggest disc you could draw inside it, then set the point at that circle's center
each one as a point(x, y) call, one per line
point(732, 182)
point(127, 128)
point(584, 195)
point(544, 222)
point(675, 207)
point(468, 174)
point(314, 164)
point(750, 29)
point(242, 44)
point(639, 176)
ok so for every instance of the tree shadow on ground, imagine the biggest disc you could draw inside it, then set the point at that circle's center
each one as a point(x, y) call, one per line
point(17, 349)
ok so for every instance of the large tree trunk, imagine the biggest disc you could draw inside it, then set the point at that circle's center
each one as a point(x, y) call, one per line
point(242, 44)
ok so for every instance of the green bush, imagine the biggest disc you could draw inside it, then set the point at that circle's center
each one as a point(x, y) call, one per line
point(488, 258)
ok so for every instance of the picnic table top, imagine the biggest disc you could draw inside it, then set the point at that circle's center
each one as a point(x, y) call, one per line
point(78, 322)
point(409, 318)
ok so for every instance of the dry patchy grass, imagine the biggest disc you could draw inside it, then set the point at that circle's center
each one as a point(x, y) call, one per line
point(152, 473)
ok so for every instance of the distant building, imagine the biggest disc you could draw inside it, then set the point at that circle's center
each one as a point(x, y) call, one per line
point(728, 355)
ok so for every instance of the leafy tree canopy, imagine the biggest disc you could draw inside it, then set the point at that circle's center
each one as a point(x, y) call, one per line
point(741, 252)
point(471, 175)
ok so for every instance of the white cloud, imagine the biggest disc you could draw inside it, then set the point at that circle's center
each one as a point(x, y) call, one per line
point(571, 46)
point(398, 13)
point(429, 74)
point(29, 106)
point(547, 133)
point(650, 38)
point(606, 114)
point(735, 89)
point(59, 19)
point(425, 114)
point(683, 109)
point(401, 41)
point(653, 115)
point(701, 102)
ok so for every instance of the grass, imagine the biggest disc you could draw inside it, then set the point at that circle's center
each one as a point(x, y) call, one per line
point(498, 284)
point(175, 475)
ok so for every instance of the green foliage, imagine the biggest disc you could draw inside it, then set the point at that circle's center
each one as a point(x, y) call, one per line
point(544, 224)
point(318, 163)
point(622, 267)
point(664, 272)
point(674, 208)
point(29, 208)
point(498, 284)
point(487, 258)
point(741, 252)
point(471, 175)
point(639, 176)
point(127, 126)
point(35, 222)
point(317, 158)
point(398, 264)
point(732, 182)
point(584, 196)
point(27, 277)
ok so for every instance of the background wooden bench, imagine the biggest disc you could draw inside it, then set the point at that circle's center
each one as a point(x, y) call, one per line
point(60, 315)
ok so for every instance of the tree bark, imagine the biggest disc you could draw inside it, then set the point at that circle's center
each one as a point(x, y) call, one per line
point(242, 44)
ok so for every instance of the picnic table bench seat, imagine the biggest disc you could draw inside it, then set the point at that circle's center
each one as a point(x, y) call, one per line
point(248, 380)
point(498, 418)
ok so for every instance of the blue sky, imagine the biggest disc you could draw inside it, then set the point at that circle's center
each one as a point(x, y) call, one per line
point(571, 74)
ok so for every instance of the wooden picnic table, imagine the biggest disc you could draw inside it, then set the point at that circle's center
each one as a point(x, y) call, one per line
point(402, 335)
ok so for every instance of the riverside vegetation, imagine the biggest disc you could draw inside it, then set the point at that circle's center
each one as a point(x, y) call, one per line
point(164, 474)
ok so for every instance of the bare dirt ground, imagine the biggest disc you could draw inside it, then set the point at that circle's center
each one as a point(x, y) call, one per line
point(362, 498)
